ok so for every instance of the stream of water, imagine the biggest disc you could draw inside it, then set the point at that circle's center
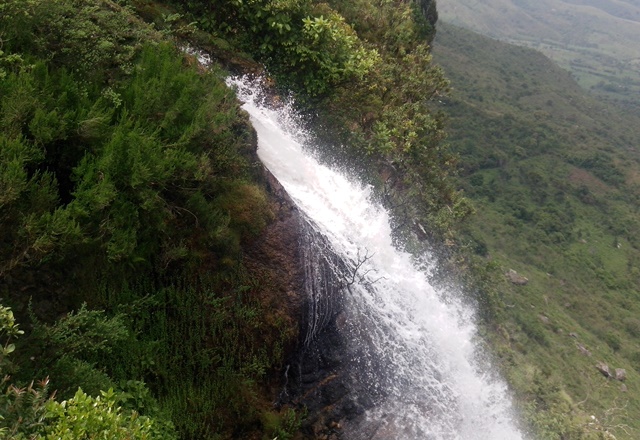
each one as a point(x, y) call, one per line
point(416, 346)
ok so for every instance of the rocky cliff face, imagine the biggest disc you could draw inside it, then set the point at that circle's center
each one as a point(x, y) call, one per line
point(307, 285)
point(318, 379)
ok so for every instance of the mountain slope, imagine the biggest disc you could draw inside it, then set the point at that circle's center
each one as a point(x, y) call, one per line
point(596, 39)
point(554, 177)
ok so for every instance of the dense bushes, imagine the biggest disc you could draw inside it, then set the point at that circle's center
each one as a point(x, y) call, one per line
point(127, 183)
point(308, 45)
point(31, 411)
point(95, 39)
point(117, 165)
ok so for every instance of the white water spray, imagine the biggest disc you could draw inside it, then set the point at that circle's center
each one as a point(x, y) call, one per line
point(431, 386)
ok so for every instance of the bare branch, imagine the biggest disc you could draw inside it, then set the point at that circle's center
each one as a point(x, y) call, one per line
point(361, 276)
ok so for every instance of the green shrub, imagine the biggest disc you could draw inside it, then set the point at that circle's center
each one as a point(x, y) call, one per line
point(281, 425)
point(612, 340)
point(86, 417)
point(309, 46)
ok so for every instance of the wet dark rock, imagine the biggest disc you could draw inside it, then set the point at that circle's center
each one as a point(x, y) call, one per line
point(321, 376)
point(334, 391)
point(309, 280)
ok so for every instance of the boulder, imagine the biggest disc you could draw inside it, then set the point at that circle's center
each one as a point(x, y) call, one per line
point(516, 278)
point(621, 374)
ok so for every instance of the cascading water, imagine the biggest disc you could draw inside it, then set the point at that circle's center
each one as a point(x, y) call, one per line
point(408, 349)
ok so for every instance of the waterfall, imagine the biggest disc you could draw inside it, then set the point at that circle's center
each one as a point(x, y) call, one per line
point(409, 350)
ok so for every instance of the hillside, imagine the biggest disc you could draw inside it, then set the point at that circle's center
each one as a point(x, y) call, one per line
point(553, 174)
point(597, 40)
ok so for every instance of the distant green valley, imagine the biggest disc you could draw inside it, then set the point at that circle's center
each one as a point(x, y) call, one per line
point(597, 40)
point(553, 174)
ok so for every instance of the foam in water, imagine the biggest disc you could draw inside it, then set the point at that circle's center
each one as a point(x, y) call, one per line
point(421, 345)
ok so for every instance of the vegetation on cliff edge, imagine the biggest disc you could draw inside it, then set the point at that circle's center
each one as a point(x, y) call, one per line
point(129, 190)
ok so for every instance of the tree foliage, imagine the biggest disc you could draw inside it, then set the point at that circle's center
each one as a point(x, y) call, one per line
point(308, 45)
point(388, 119)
